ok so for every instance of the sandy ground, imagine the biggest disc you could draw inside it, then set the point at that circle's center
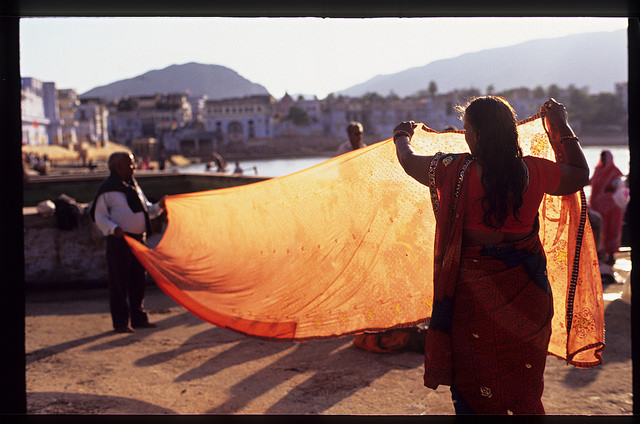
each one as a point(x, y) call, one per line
point(62, 156)
point(77, 365)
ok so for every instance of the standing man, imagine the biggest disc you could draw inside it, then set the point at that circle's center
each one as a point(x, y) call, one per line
point(391, 340)
point(120, 207)
point(354, 131)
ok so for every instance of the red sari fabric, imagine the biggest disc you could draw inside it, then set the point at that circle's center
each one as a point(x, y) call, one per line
point(448, 208)
point(601, 201)
point(491, 321)
point(501, 328)
point(493, 308)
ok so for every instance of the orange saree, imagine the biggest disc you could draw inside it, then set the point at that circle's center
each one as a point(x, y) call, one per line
point(346, 246)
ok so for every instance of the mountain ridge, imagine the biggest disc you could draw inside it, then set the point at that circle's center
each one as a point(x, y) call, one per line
point(596, 60)
point(216, 81)
point(526, 69)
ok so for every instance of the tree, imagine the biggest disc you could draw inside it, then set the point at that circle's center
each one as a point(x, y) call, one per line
point(468, 93)
point(392, 96)
point(433, 88)
point(579, 103)
point(605, 109)
point(371, 95)
point(539, 93)
point(505, 93)
point(298, 116)
point(553, 91)
point(490, 89)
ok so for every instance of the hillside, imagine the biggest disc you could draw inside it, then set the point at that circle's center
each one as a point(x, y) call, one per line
point(594, 60)
point(217, 82)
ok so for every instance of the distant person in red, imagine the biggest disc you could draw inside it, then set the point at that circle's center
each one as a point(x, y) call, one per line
point(146, 163)
point(604, 183)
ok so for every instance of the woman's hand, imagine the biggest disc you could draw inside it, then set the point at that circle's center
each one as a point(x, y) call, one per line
point(569, 156)
point(405, 127)
point(555, 116)
point(413, 164)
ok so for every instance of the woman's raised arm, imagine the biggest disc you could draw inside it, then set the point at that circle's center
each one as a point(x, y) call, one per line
point(569, 155)
point(415, 165)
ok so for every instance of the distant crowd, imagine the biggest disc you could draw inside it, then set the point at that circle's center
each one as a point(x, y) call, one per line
point(35, 162)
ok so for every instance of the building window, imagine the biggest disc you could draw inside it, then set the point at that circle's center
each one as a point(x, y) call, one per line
point(235, 131)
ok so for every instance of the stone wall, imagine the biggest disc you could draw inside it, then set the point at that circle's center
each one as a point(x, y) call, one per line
point(54, 255)
point(73, 256)
point(79, 255)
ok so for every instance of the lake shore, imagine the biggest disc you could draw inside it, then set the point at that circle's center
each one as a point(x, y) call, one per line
point(65, 155)
point(616, 140)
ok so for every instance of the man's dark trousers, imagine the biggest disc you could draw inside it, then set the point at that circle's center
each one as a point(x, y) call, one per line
point(126, 276)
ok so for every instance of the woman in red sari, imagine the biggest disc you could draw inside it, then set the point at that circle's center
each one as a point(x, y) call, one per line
point(603, 186)
point(491, 320)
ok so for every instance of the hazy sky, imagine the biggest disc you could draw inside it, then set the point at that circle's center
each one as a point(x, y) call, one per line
point(295, 55)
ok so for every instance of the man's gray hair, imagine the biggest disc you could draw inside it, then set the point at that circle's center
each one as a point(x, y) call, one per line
point(354, 124)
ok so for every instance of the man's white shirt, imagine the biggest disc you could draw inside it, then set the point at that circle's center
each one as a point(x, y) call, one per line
point(112, 210)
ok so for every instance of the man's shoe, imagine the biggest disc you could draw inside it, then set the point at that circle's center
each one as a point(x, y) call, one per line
point(125, 329)
point(146, 325)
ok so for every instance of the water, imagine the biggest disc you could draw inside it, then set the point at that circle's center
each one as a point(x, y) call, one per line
point(280, 167)
point(265, 167)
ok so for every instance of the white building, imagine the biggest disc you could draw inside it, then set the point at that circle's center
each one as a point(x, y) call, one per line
point(68, 103)
point(172, 111)
point(239, 123)
point(40, 113)
point(148, 116)
point(310, 105)
point(125, 124)
point(197, 106)
point(93, 118)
